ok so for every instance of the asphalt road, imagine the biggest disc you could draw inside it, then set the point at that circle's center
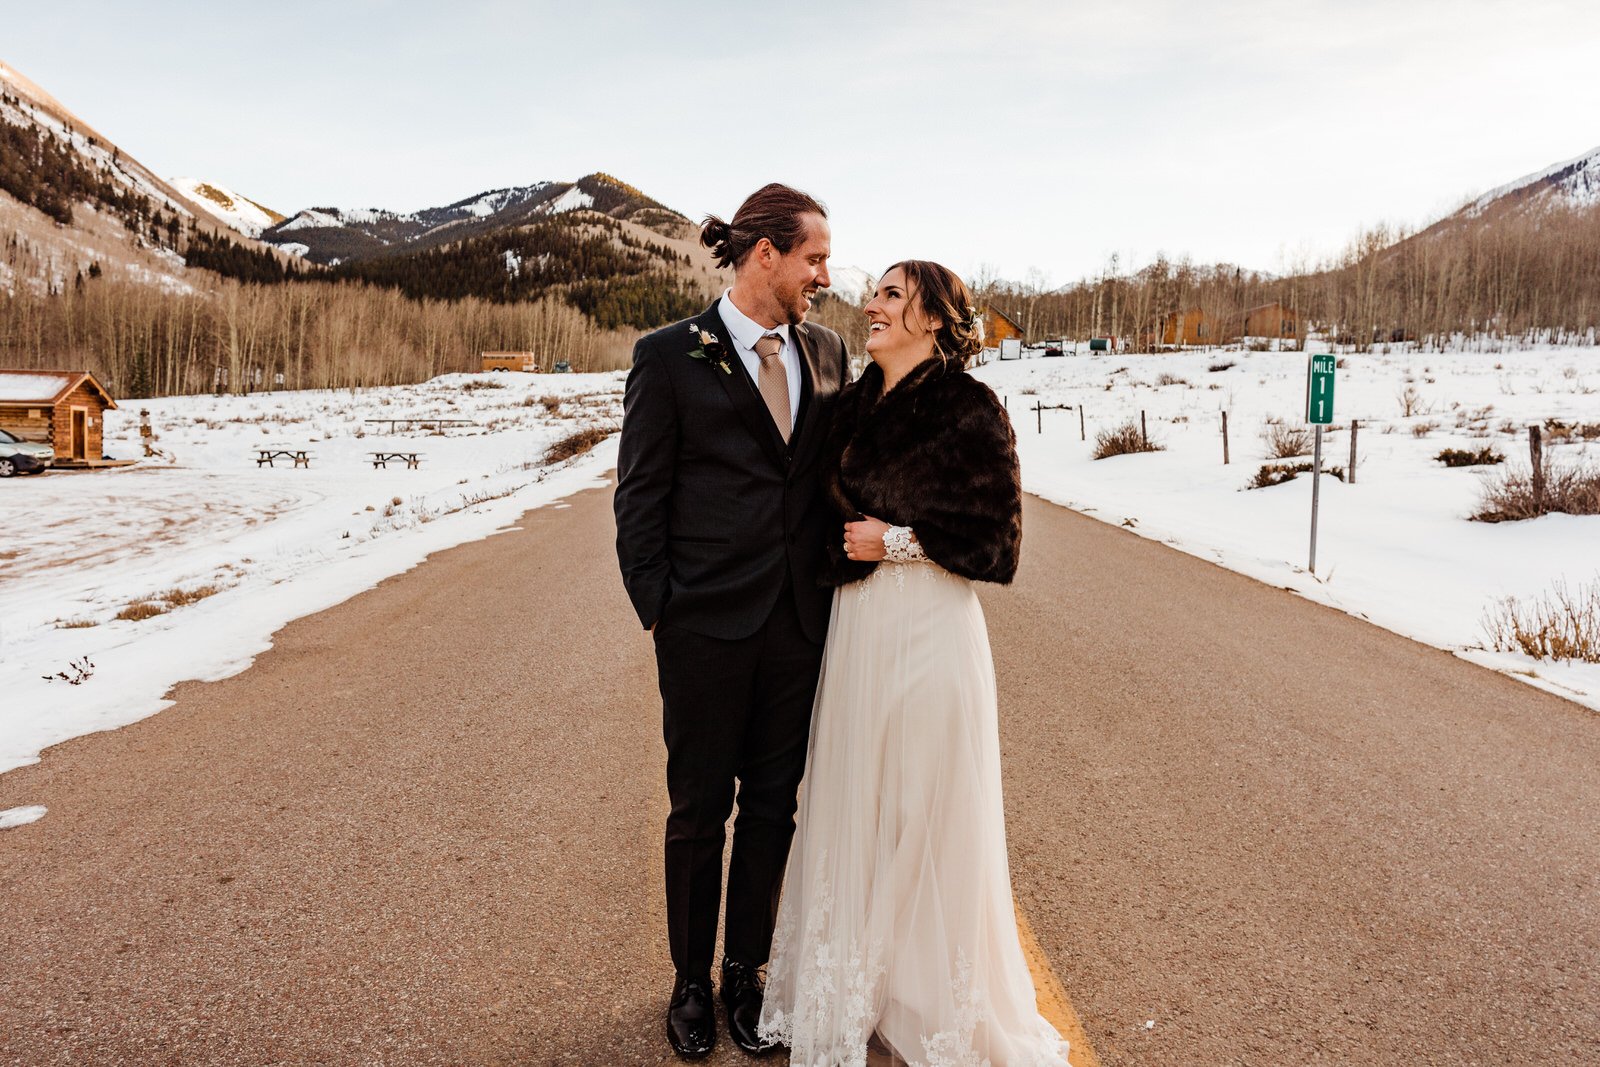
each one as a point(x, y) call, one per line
point(425, 829)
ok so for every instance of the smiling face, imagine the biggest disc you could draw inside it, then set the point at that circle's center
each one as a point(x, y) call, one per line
point(897, 328)
point(797, 274)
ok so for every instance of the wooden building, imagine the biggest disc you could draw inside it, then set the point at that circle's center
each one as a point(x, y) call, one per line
point(998, 326)
point(64, 409)
point(1269, 320)
point(1191, 327)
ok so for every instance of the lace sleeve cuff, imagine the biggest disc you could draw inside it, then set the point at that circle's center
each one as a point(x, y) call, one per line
point(899, 547)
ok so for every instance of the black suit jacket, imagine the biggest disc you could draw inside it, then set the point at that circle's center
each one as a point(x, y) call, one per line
point(713, 512)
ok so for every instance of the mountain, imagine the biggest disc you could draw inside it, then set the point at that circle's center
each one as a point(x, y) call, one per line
point(331, 235)
point(1574, 183)
point(228, 207)
point(76, 205)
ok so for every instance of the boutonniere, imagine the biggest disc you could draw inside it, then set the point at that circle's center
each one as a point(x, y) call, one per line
point(711, 350)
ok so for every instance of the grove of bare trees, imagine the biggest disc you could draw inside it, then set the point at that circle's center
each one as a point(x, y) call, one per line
point(1515, 276)
point(145, 341)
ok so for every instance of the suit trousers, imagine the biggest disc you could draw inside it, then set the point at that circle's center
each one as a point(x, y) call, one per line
point(736, 715)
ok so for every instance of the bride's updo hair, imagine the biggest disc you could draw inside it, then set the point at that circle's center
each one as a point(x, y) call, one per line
point(943, 297)
point(774, 211)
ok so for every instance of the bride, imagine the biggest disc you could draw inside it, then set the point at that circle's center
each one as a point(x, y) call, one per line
point(896, 924)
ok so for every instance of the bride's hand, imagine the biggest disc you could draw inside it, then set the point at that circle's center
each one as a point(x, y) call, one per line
point(864, 540)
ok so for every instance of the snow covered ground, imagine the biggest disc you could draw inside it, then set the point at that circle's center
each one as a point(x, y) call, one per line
point(228, 552)
point(1396, 547)
point(268, 544)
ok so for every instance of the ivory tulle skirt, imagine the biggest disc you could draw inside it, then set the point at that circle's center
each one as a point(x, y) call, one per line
point(896, 916)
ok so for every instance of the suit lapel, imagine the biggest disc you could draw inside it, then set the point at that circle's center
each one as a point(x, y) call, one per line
point(740, 389)
point(809, 376)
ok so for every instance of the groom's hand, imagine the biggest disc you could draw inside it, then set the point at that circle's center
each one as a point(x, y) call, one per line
point(864, 540)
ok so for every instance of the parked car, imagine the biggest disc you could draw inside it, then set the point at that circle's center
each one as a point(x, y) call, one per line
point(22, 457)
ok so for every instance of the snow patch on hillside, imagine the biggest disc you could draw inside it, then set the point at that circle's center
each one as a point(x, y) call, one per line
point(571, 200)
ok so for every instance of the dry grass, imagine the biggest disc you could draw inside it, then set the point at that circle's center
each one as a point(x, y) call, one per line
point(1124, 440)
point(140, 611)
point(178, 598)
point(151, 606)
point(1561, 625)
point(75, 624)
point(1423, 429)
point(577, 443)
point(1510, 494)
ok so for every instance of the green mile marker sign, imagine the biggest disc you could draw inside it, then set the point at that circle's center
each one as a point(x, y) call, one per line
point(1319, 390)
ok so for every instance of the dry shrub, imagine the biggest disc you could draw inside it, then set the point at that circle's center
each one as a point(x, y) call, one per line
point(1423, 429)
point(1510, 494)
point(140, 611)
point(1272, 474)
point(576, 443)
point(1456, 457)
point(481, 383)
point(1216, 367)
point(1167, 378)
point(1562, 624)
point(1123, 440)
point(1411, 402)
point(1285, 441)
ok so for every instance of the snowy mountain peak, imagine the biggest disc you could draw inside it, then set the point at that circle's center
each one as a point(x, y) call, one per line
point(851, 284)
point(227, 206)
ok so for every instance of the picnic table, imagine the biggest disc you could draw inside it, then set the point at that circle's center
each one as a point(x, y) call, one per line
point(299, 456)
point(412, 460)
point(424, 421)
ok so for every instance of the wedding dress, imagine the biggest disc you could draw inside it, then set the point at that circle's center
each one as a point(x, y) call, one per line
point(896, 916)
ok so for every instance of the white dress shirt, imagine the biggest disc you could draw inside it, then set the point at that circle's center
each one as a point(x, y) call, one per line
point(746, 332)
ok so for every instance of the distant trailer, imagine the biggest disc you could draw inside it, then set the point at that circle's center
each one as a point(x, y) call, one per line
point(1011, 348)
point(510, 361)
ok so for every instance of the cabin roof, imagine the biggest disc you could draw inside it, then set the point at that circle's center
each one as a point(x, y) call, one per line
point(46, 386)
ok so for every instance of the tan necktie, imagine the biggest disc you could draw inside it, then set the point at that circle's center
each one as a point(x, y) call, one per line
point(773, 382)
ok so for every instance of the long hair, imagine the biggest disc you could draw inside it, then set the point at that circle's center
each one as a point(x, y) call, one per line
point(773, 211)
point(940, 294)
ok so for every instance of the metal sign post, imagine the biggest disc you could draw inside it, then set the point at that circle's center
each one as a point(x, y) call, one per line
point(1319, 412)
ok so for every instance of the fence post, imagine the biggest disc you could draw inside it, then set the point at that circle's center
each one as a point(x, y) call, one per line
point(1144, 434)
point(1082, 433)
point(1535, 453)
point(1038, 413)
point(1224, 438)
point(1355, 427)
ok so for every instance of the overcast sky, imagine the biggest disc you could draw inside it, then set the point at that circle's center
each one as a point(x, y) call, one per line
point(1011, 133)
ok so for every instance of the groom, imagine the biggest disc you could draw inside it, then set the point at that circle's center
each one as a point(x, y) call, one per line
point(720, 532)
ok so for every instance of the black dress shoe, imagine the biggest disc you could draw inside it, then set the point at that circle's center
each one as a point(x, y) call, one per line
point(691, 1018)
point(742, 994)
